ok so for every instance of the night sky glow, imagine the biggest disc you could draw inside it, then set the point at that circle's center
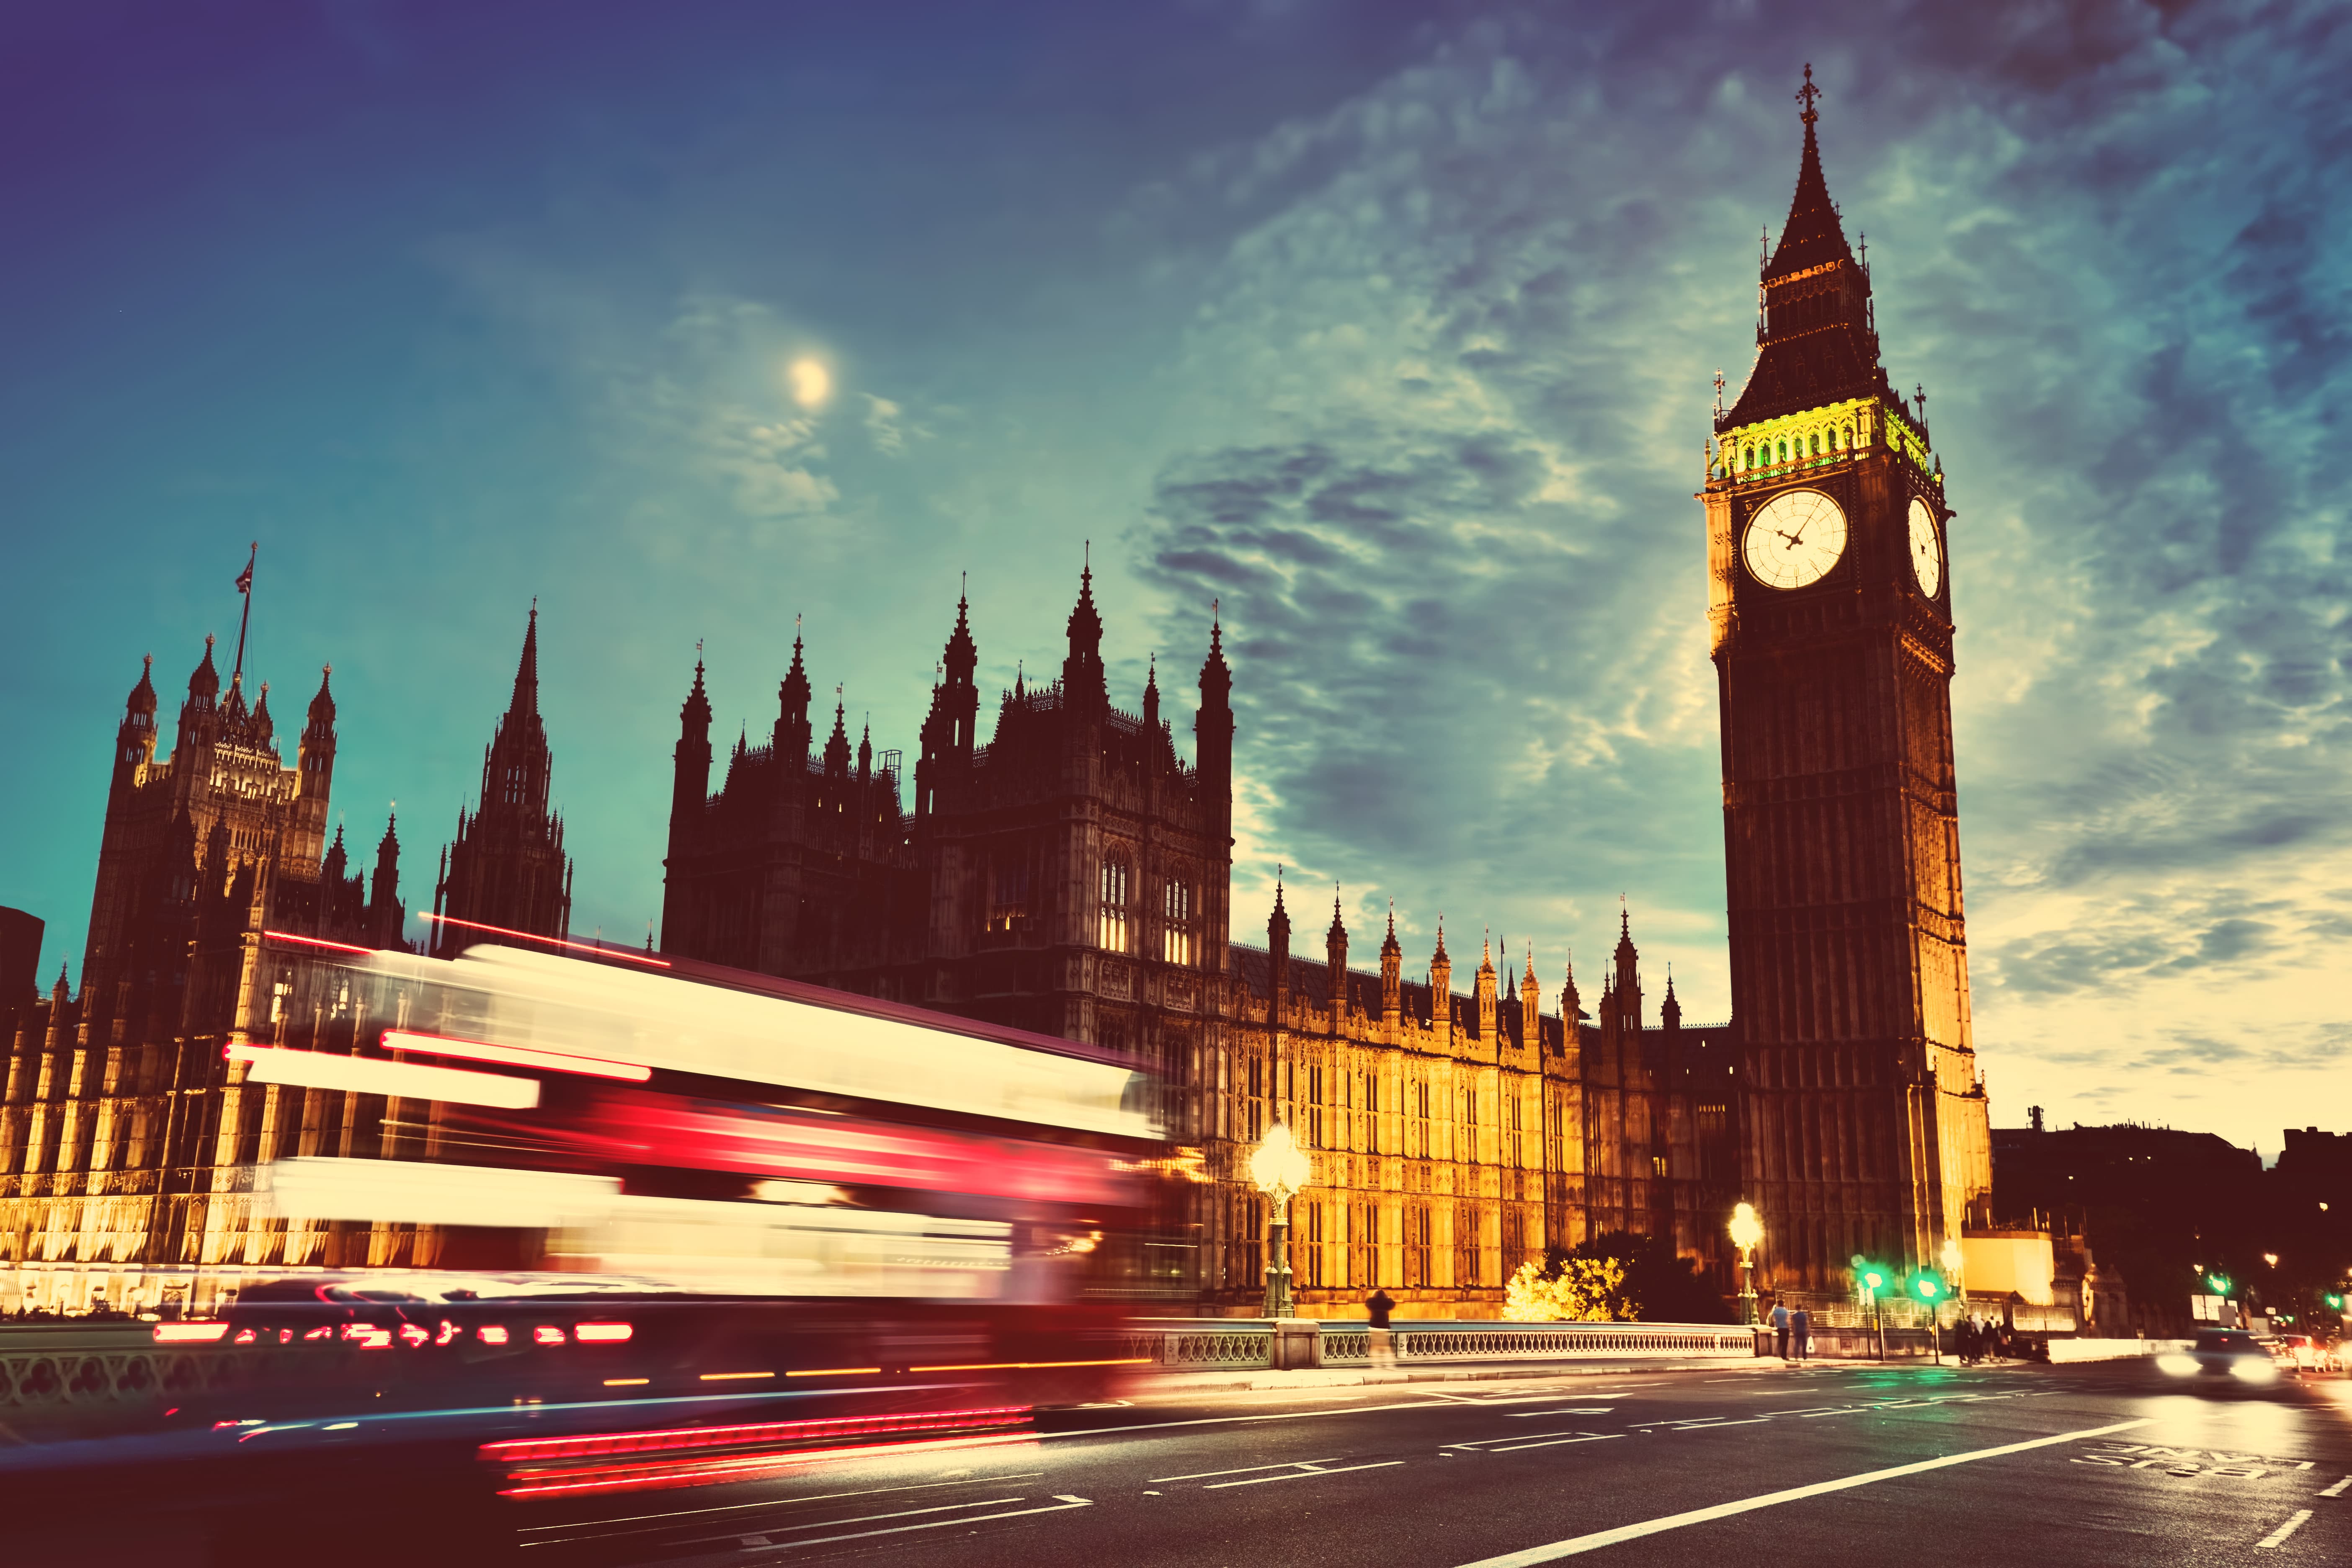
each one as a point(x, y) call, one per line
point(1393, 327)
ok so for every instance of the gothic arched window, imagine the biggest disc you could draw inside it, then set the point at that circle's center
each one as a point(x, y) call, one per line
point(1111, 927)
point(1176, 921)
point(1784, 451)
point(1817, 444)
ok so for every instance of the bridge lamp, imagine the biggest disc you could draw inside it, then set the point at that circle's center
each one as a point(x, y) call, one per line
point(1747, 1230)
point(1281, 1169)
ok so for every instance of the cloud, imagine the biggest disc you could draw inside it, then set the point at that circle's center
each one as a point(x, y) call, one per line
point(1445, 412)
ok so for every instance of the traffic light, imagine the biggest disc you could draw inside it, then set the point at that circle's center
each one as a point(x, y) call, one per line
point(2218, 1283)
point(1927, 1287)
point(1871, 1277)
point(2335, 1302)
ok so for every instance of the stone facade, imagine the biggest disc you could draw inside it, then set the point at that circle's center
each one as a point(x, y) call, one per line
point(1073, 875)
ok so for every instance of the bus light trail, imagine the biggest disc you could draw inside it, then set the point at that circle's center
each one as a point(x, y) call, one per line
point(599, 949)
point(514, 1056)
point(366, 1075)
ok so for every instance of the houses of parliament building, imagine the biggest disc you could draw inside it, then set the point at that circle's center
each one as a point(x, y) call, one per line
point(1070, 873)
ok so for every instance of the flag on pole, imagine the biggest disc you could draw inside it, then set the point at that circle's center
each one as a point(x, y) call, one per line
point(244, 578)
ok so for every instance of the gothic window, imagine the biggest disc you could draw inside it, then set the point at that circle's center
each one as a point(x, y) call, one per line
point(1110, 932)
point(1784, 451)
point(1315, 1128)
point(1176, 914)
point(1008, 891)
point(1417, 1244)
point(1849, 437)
point(1372, 1114)
point(1465, 1244)
point(1747, 457)
point(1315, 1246)
point(1817, 444)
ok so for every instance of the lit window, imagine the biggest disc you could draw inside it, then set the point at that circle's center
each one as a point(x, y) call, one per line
point(1176, 929)
point(1111, 931)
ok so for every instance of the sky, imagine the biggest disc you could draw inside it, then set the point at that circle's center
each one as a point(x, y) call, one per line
point(1391, 329)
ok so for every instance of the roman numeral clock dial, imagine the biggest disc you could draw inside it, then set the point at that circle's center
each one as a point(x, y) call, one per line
point(1926, 549)
point(1794, 538)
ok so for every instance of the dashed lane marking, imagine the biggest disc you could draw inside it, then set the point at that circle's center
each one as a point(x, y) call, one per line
point(2337, 1489)
point(1544, 1414)
point(1059, 1505)
point(2278, 1537)
point(1575, 1545)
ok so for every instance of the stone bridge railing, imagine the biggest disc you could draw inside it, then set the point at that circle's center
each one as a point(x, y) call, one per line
point(1208, 1343)
point(103, 1374)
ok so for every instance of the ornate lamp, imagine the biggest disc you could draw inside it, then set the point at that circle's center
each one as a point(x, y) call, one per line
point(1280, 1168)
point(1747, 1230)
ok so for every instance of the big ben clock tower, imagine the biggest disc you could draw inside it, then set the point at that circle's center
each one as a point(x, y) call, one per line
point(1862, 1124)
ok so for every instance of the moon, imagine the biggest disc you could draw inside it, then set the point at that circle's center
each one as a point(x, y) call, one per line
point(811, 383)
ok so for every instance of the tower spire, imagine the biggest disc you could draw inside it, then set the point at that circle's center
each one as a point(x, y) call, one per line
point(526, 686)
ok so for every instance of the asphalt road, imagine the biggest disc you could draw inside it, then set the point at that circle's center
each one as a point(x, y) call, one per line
point(2100, 1464)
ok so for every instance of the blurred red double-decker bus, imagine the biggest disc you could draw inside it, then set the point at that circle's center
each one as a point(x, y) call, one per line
point(651, 1178)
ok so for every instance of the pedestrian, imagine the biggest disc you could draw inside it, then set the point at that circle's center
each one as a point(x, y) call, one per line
point(1381, 1351)
point(1781, 1328)
point(1800, 1328)
point(1964, 1341)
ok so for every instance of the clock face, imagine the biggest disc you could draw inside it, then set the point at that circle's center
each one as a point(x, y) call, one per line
point(1794, 538)
point(1926, 549)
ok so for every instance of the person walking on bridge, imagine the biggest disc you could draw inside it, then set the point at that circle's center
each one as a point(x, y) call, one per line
point(1382, 1347)
point(1781, 1328)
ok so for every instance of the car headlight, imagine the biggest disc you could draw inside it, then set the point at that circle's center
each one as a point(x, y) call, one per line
point(2253, 1371)
point(2178, 1364)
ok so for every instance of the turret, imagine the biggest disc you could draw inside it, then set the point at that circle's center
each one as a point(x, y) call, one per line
point(199, 716)
point(1277, 947)
point(1441, 987)
point(1669, 1012)
point(1530, 1005)
point(1213, 728)
point(1151, 701)
point(1485, 991)
point(337, 861)
point(135, 742)
point(866, 752)
point(1083, 688)
point(316, 759)
point(1627, 983)
point(1391, 979)
point(837, 745)
point(792, 732)
point(385, 916)
point(950, 728)
point(1571, 1009)
point(1335, 947)
point(690, 763)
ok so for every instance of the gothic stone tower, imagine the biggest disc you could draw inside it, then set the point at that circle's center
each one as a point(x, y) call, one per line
point(1864, 1124)
point(506, 868)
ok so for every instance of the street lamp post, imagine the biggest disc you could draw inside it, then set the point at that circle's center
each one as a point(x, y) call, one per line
point(1747, 1230)
point(1280, 1168)
point(1956, 1282)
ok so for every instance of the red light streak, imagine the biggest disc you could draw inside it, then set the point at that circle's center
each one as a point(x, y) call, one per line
point(601, 1333)
point(683, 1457)
point(490, 1334)
point(732, 1376)
point(189, 1333)
point(516, 1055)
point(837, 1371)
point(546, 1335)
point(414, 1335)
point(242, 1337)
point(1030, 1365)
point(620, 952)
point(317, 941)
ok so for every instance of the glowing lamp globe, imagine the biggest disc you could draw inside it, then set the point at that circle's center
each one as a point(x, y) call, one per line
point(1279, 1166)
point(1747, 1230)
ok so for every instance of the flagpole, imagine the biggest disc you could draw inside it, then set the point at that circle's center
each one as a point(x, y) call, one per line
point(245, 586)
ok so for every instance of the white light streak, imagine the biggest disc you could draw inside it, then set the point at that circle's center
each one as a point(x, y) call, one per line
point(366, 1075)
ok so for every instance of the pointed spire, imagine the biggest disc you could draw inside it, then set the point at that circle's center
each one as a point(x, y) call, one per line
point(1441, 936)
point(1151, 696)
point(143, 696)
point(1531, 964)
point(526, 683)
point(837, 745)
point(1388, 947)
point(694, 714)
point(1338, 931)
point(321, 720)
point(204, 681)
point(1083, 686)
point(962, 654)
point(336, 858)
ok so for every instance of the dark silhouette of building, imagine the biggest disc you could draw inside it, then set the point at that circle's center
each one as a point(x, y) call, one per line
point(507, 869)
point(20, 963)
point(1864, 1123)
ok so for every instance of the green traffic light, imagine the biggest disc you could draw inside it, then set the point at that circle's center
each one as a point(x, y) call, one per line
point(2336, 1302)
point(2220, 1283)
point(1927, 1286)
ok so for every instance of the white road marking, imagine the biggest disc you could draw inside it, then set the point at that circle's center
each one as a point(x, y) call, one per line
point(1474, 1444)
point(1236, 1470)
point(1581, 1410)
point(2337, 1489)
point(1300, 1475)
point(1061, 1505)
point(1556, 1442)
point(2278, 1537)
point(1574, 1545)
point(1421, 1404)
point(771, 1505)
